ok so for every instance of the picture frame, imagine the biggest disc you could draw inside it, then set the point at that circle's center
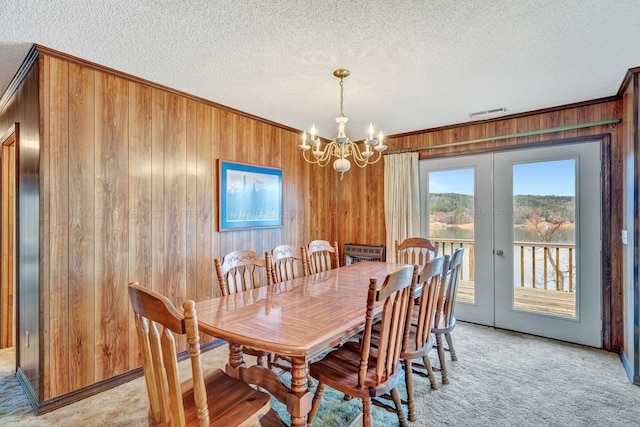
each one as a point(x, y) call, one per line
point(250, 196)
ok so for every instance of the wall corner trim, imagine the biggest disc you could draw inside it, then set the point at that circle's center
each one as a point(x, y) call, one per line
point(19, 76)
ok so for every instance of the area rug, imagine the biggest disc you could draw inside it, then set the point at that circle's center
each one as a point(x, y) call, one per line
point(501, 379)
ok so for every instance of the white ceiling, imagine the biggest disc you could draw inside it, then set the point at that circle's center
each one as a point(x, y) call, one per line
point(414, 64)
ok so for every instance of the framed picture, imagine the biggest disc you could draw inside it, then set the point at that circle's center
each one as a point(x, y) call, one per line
point(250, 196)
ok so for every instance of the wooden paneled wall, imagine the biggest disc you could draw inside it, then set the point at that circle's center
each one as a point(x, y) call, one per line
point(131, 173)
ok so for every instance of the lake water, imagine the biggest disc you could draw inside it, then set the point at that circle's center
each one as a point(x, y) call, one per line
point(520, 234)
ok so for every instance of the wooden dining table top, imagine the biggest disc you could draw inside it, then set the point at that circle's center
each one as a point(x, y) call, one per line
point(300, 317)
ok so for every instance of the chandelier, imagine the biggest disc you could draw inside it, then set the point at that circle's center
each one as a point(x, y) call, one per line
point(341, 148)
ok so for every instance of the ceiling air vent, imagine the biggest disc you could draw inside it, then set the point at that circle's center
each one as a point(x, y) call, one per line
point(487, 112)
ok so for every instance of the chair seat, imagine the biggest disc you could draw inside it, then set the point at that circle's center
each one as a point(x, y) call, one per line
point(442, 327)
point(410, 351)
point(229, 401)
point(339, 370)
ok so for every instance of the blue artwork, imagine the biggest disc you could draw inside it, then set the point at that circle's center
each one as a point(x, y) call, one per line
point(250, 196)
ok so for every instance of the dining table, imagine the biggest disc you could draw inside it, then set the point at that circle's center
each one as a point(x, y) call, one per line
point(300, 318)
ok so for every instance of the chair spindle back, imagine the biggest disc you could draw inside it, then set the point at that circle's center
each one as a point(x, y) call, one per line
point(415, 250)
point(396, 294)
point(322, 256)
point(286, 262)
point(240, 271)
point(156, 322)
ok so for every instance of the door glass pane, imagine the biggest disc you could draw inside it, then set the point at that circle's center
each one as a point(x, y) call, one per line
point(544, 251)
point(451, 221)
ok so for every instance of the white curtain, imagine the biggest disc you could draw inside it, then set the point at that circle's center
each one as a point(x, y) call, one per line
point(401, 199)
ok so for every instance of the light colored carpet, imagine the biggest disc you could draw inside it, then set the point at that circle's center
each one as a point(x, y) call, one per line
point(501, 379)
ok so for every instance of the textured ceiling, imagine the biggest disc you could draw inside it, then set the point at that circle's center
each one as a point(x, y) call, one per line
point(414, 64)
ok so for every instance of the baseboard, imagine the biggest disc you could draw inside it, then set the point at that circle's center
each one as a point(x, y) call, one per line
point(633, 379)
point(83, 393)
point(27, 388)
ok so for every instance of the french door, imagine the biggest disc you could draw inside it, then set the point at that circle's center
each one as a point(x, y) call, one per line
point(529, 221)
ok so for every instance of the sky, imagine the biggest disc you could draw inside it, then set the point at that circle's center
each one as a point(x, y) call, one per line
point(541, 178)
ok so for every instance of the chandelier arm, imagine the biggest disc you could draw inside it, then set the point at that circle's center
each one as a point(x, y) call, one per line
point(323, 160)
point(369, 162)
point(377, 158)
point(359, 159)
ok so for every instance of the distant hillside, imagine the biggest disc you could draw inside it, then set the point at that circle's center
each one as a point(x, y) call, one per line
point(454, 208)
point(451, 208)
point(546, 207)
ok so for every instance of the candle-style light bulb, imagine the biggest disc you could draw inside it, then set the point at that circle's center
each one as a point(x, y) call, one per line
point(370, 130)
point(380, 138)
point(313, 131)
point(304, 138)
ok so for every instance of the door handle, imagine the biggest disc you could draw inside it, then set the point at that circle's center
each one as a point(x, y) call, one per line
point(499, 252)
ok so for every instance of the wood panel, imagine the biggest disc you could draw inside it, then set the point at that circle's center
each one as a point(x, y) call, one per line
point(191, 209)
point(81, 234)
point(58, 183)
point(111, 225)
point(205, 201)
point(175, 199)
point(44, 66)
point(157, 193)
point(140, 186)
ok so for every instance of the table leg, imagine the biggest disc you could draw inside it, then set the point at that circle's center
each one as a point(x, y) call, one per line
point(235, 360)
point(299, 398)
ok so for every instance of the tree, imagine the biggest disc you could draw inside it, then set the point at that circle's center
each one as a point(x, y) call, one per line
point(546, 226)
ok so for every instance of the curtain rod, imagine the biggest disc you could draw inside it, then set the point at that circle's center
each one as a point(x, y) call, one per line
point(609, 122)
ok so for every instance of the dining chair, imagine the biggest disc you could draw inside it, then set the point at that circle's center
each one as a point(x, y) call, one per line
point(207, 398)
point(360, 370)
point(420, 339)
point(286, 262)
point(240, 271)
point(445, 320)
point(322, 256)
point(415, 250)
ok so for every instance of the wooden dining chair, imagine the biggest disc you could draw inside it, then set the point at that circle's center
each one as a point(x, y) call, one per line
point(207, 398)
point(286, 262)
point(420, 339)
point(240, 271)
point(445, 320)
point(359, 370)
point(322, 256)
point(415, 250)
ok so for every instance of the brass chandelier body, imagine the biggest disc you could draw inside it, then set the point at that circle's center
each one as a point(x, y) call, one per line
point(341, 149)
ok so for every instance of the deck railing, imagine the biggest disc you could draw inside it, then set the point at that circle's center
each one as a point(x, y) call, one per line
point(541, 265)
